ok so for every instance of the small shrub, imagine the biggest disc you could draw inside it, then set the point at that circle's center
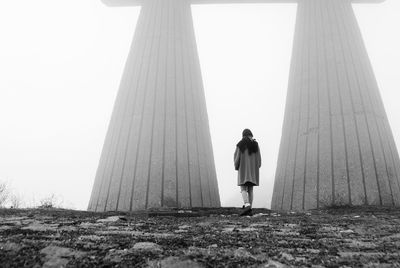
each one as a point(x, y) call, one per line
point(4, 193)
point(50, 202)
point(15, 201)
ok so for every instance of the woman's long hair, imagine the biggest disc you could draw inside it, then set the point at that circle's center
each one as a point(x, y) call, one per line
point(248, 142)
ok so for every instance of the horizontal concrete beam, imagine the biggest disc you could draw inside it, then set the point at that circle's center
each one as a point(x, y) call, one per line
point(120, 3)
point(267, 1)
point(241, 1)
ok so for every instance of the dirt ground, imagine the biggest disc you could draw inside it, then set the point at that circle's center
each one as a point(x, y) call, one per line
point(338, 237)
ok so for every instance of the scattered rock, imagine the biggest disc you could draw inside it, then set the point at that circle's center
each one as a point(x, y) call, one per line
point(162, 235)
point(286, 232)
point(10, 246)
point(323, 239)
point(300, 259)
point(287, 256)
point(330, 229)
point(247, 229)
point(260, 215)
point(275, 214)
point(90, 237)
point(116, 256)
point(365, 254)
point(361, 244)
point(242, 253)
point(67, 228)
point(120, 232)
point(260, 225)
point(273, 264)
point(59, 256)
point(55, 263)
point(39, 227)
point(179, 231)
point(174, 262)
point(147, 246)
point(347, 231)
point(291, 225)
point(228, 229)
point(195, 251)
point(87, 225)
point(112, 219)
point(5, 228)
point(313, 251)
point(392, 237)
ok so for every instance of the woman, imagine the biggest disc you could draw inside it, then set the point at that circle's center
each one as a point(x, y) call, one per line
point(247, 160)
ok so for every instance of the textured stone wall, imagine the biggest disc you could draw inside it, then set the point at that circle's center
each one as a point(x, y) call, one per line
point(337, 146)
point(158, 152)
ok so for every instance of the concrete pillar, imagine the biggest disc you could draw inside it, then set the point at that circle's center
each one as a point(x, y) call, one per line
point(158, 152)
point(337, 147)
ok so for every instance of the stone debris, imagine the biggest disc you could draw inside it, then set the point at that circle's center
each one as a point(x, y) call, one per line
point(242, 253)
point(273, 264)
point(147, 246)
point(292, 240)
point(353, 254)
point(347, 231)
point(286, 232)
point(180, 231)
point(10, 246)
point(174, 262)
point(5, 228)
point(261, 225)
point(137, 233)
point(89, 225)
point(112, 219)
point(67, 229)
point(392, 237)
point(116, 256)
point(313, 251)
point(361, 244)
point(120, 232)
point(55, 256)
point(247, 229)
point(228, 229)
point(287, 256)
point(90, 237)
point(41, 227)
point(260, 215)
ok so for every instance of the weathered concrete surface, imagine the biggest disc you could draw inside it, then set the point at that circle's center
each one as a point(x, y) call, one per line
point(337, 147)
point(361, 237)
point(158, 150)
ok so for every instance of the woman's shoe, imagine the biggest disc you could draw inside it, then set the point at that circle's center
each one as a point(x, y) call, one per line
point(246, 211)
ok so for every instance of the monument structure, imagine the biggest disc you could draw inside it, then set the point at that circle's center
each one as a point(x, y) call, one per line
point(158, 152)
point(337, 147)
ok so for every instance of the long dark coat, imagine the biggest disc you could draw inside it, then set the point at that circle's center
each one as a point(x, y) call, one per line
point(248, 166)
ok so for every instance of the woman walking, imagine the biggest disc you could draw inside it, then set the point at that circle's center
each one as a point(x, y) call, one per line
point(247, 160)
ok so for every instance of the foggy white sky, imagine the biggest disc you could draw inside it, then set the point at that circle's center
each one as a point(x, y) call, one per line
point(61, 63)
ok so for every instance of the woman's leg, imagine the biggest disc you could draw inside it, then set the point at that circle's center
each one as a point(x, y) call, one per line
point(250, 192)
point(245, 195)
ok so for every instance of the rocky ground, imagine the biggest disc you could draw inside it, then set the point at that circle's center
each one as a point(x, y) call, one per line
point(341, 237)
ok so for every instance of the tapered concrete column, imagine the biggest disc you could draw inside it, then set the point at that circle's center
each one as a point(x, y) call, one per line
point(158, 151)
point(337, 147)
